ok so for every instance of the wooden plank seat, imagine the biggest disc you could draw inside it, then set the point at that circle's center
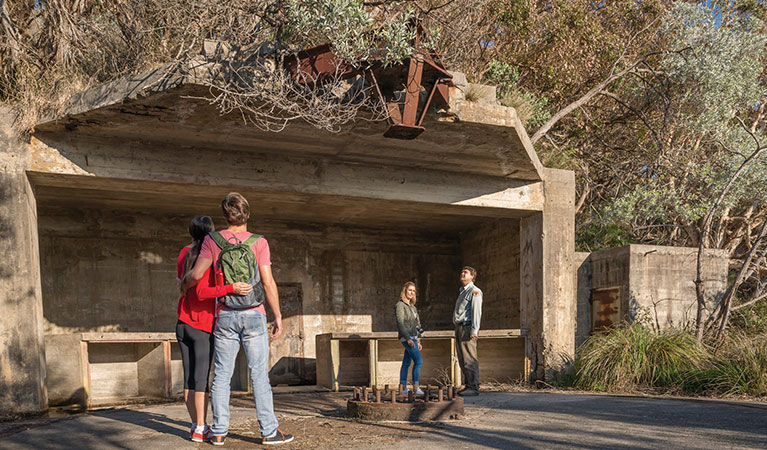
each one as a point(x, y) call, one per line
point(375, 358)
point(124, 367)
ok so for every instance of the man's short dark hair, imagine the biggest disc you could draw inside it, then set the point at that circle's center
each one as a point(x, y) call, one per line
point(236, 209)
point(472, 271)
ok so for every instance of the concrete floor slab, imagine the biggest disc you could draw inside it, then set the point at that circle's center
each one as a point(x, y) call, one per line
point(492, 421)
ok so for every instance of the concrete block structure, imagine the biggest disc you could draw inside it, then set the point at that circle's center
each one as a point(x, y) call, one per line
point(94, 207)
point(647, 282)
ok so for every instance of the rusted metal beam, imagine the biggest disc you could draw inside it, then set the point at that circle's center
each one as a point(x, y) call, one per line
point(422, 71)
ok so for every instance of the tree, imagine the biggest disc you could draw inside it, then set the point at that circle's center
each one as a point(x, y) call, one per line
point(53, 48)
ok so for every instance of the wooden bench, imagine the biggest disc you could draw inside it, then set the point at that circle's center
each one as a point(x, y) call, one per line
point(127, 367)
point(375, 358)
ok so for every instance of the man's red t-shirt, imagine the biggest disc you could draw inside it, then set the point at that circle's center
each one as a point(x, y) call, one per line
point(211, 250)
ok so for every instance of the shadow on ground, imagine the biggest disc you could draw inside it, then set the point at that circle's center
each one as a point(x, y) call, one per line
point(494, 420)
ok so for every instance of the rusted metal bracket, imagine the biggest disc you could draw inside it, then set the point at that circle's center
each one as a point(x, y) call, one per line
point(399, 87)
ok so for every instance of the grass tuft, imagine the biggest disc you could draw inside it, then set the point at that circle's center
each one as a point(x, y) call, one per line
point(636, 357)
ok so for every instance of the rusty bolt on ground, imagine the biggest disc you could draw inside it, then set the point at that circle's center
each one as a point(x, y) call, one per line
point(431, 394)
point(432, 405)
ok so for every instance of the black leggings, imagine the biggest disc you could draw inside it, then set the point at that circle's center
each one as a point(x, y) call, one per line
point(196, 355)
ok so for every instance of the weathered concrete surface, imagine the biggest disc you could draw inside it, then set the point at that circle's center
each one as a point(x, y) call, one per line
point(548, 292)
point(487, 111)
point(112, 270)
point(300, 188)
point(350, 217)
point(22, 355)
point(500, 421)
point(582, 268)
point(488, 141)
point(493, 249)
point(655, 283)
point(64, 377)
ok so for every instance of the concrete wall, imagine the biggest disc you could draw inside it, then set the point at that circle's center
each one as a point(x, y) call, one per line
point(662, 282)
point(583, 315)
point(22, 354)
point(654, 283)
point(493, 249)
point(114, 270)
point(548, 284)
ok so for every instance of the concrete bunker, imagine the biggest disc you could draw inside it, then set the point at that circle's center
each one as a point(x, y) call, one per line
point(104, 195)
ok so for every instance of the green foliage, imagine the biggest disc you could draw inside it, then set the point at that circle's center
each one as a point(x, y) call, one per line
point(598, 235)
point(502, 74)
point(351, 31)
point(738, 367)
point(532, 111)
point(716, 66)
point(634, 356)
point(711, 66)
point(751, 317)
point(654, 202)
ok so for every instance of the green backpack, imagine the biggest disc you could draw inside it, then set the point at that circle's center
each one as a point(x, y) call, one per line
point(239, 264)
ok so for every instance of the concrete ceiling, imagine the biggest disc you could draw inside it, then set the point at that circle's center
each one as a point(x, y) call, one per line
point(169, 199)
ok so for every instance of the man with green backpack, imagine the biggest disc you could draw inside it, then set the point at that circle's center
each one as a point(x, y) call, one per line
point(241, 318)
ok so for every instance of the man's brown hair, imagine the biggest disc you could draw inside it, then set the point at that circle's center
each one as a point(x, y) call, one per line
point(236, 209)
point(472, 271)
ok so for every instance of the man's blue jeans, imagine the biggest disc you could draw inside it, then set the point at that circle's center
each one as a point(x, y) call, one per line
point(412, 354)
point(248, 327)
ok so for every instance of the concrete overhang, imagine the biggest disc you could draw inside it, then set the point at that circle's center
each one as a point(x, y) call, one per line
point(167, 106)
point(153, 143)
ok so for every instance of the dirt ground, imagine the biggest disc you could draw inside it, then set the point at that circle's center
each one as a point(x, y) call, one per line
point(319, 420)
point(494, 420)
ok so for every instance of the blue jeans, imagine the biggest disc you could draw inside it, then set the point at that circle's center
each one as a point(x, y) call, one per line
point(248, 327)
point(412, 354)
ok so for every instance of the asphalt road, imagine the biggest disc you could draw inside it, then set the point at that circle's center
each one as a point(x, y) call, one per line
point(492, 421)
point(563, 421)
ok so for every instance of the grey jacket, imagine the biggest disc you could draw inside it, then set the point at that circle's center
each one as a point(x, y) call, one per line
point(468, 307)
point(408, 322)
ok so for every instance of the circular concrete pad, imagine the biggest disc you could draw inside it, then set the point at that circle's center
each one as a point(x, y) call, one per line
point(414, 412)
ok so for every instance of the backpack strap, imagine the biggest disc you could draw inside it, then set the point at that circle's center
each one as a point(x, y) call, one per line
point(251, 239)
point(218, 239)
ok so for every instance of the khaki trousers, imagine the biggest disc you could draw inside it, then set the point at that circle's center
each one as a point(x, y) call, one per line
point(467, 356)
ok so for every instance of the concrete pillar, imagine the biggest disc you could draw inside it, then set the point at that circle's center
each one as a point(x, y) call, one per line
point(547, 279)
point(22, 348)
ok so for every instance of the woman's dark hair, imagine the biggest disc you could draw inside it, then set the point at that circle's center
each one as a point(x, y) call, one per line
point(199, 227)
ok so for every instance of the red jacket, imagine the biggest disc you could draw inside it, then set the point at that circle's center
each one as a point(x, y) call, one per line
point(197, 307)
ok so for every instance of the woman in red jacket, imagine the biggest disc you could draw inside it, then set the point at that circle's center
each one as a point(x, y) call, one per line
point(196, 317)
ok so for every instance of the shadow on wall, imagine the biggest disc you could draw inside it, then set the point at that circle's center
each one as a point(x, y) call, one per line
point(292, 371)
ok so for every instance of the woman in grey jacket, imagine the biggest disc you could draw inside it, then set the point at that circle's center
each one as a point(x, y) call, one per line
point(409, 330)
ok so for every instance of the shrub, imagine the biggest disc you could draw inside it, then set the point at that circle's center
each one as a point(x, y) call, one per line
point(634, 356)
point(739, 366)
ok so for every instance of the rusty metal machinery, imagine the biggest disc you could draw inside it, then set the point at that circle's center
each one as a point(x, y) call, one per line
point(436, 403)
point(407, 89)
